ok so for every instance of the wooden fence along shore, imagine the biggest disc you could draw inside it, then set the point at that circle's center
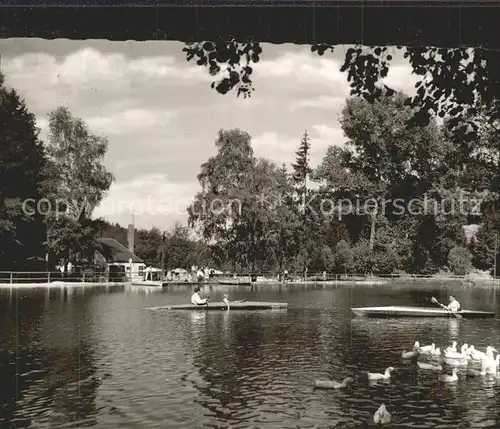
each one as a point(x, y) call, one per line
point(55, 278)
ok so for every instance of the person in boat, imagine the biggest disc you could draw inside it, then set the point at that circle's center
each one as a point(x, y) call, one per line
point(196, 299)
point(454, 305)
point(225, 300)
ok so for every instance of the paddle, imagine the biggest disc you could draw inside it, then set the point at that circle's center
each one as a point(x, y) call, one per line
point(435, 301)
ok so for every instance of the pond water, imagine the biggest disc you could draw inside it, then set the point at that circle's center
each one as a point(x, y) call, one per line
point(98, 358)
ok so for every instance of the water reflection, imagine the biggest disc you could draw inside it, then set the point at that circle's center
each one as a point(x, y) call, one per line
point(98, 358)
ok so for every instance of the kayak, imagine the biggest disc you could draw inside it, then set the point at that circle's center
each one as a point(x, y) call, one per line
point(149, 283)
point(235, 283)
point(245, 305)
point(396, 311)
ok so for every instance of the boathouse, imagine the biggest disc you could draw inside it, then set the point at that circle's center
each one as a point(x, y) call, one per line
point(117, 258)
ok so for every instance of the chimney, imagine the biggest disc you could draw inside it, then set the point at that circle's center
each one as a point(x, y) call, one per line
point(130, 237)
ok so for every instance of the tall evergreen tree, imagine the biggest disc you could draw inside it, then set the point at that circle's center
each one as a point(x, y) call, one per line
point(301, 168)
point(22, 176)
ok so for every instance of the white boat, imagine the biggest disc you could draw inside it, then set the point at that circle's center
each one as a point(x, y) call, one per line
point(400, 311)
point(150, 283)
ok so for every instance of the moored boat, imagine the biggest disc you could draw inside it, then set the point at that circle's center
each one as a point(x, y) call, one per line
point(401, 311)
point(150, 283)
point(246, 305)
point(235, 282)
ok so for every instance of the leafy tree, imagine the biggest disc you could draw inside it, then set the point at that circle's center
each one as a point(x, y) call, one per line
point(181, 249)
point(80, 180)
point(344, 257)
point(148, 246)
point(460, 260)
point(77, 154)
point(23, 174)
point(238, 194)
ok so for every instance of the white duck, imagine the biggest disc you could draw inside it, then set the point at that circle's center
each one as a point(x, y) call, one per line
point(410, 355)
point(430, 366)
point(427, 350)
point(479, 355)
point(377, 376)
point(452, 348)
point(446, 378)
point(436, 352)
point(382, 416)
point(331, 384)
point(490, 365)
point(456, 355)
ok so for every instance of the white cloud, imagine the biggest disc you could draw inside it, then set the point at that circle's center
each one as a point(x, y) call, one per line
point(326, 102)
point(308, 68)
point(150, 197)
point(89, 66)
point(304, 68)
point(279, 148)
point(129, 121)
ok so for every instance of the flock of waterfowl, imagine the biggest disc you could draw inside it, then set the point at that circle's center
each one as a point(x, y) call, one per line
point(466, 357)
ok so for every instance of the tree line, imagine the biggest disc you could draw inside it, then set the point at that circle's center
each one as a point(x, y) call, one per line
point(257, 216)
point(253, 215)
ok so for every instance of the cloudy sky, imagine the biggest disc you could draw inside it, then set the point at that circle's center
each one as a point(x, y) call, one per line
point(161, 117)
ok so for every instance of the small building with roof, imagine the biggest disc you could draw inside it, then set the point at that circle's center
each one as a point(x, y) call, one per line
point(119, 260)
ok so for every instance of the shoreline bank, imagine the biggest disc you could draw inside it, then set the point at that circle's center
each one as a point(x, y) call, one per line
point(373, 281)
point(60, 285)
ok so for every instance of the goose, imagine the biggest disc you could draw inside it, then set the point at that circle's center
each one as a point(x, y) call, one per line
point(450, 378)
point(331, 384)
point(456, 355)
point(452, 348)
point(410, 355)
point(429, 366)
point(382, 416)
point(377, 376)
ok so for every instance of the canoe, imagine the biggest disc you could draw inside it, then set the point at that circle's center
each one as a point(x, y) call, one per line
point(149, 283)
point(234, 283)
point(246, 305)
point(396, 311)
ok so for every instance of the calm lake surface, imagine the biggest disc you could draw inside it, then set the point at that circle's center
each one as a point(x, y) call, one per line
point(98, 358)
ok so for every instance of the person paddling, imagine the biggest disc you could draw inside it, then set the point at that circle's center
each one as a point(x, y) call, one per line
point(225, 300)
point(196, 299)
point(454, 305)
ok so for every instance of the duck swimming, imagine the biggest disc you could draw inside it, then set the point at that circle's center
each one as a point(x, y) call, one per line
point(490, 365)
point(436, 352)
point(410, 355)
point(430, 366)
point(456, 355)
point(475, 373)
point(382, 416)
point(331, 384)
point(450, 378)
point(479, 355)
point(377, 376)
point(428, 349)
point(452, 348)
